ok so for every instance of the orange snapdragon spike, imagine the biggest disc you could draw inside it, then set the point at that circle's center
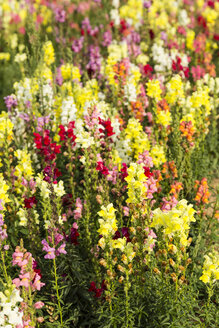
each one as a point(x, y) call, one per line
point(203, 194)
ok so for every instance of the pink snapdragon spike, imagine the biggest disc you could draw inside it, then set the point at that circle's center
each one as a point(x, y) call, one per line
point(79, 208)
point(146, 159)
point(126, 211)
point(37, 284)
point(168, 204)
point(50, 251)
point(112, 176)
point(61, 249)
point(25, 279)
point(38, 305)
point(53, 250)
point(3, 232)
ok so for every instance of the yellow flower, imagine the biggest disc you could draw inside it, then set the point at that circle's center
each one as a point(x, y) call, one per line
point(176, 221)
point(24, 167)
point(164, 118)
point(210, 268)
point(158, 155)
point(3, 192)
point(154, 90)
point(108, 223)
point(175, 90)
point(6, 129)
point(49, 55)
point(136, 183)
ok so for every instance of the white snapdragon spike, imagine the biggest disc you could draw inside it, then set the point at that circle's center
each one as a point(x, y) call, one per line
point(69, 110)
point(20, 58)
point(130, 92)
point(183, 57)
point(84, 140)
point(47, 96)
point(43, 186)
point(183, 18)
point(10, 316)
point(23, 90)
point(116, 3)
point(22, 216)
point(122, 146)
point(118, 50)
point(161, 57)
point(59, 189)
point(116, 129)
point(114, 14)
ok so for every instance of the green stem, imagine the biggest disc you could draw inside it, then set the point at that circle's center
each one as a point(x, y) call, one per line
point(4, 267)
point(57, 292)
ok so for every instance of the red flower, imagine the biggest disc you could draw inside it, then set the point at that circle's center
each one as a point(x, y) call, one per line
point(103, 169)
point(108, 129)
point(147, 172)
point(148, 70)
point(124, 171)
point(30, 202)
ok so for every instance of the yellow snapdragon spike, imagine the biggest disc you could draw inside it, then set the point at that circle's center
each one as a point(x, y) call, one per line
point(175, 90)
point(136, 183)
point(3, 192)
point(6, 129)
point(153, 90)
point(49, 54)
point(175, 222)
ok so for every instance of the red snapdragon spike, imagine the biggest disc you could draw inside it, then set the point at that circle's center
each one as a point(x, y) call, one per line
point(186, 71)
point(30, 202)
point(125, 233)
point(98, 291)
point(117, 235)
point(176, 64)
point(38, 140)
point(216, 37)
point(210, 3)
point(147, 172)
point(124, 171)
point(202, 22)
point(123, 26)
point(74, 234)
point(108, 129)
point(103, 169)
point(148, 69)
point(151, 33)
point(92, 287)
point(62, 132)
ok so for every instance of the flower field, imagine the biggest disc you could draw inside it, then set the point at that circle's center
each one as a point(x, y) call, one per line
point(109, 163)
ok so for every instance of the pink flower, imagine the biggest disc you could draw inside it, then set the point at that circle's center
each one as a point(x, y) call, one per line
point(126, 210)
point(51, 253)
point(38, 305)
point(25, 279)
point(78, 211)
point(61, 249)
point(17, 258)
point(16, 282)
point(37, 284)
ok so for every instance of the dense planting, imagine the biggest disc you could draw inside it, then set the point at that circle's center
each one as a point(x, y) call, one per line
point(108, 163)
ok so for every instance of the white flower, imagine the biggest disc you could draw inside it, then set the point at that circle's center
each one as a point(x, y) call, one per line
point(130, 92)
point(114, 14)
point(19, 58)
point(85, 140)
point(22, 216)
point(59, 189)
point(43, 186)
point(69, 110)
point(116, 3)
